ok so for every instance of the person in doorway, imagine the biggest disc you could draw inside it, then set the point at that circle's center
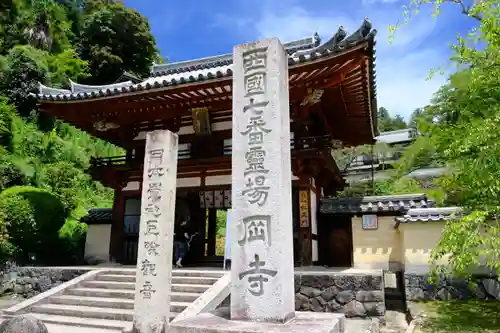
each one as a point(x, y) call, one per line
point(181, 239)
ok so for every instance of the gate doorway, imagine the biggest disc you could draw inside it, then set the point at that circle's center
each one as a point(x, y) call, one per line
point(335, 240)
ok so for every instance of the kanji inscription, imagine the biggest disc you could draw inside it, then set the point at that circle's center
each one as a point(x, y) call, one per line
point(154, 253)
point(262, 256)
point(256, 228)
point(257, 275)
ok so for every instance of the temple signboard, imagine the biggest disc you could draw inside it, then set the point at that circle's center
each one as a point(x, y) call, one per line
point(304, 208)
point(262, 260)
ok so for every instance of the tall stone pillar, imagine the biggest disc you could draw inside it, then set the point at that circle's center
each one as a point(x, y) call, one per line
point(262, 272)
point(154, 257)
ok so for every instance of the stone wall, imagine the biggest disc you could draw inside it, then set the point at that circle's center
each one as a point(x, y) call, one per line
point(26, 282)
point(353, 295)
point(418, 288)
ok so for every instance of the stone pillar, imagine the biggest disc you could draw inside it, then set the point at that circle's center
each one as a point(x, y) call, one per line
point(154, 257)
point(262, 272)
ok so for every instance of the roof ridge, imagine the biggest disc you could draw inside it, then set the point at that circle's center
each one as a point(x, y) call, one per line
point(172, 74)
point(312, 42)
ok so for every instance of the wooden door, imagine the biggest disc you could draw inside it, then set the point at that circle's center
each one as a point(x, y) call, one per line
point(335, 240)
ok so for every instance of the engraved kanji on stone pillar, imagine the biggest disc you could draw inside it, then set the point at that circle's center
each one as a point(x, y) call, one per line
point(154, 257)
point(262, 273)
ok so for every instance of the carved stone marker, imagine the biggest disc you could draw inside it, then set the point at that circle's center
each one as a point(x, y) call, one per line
point(154, 257)
point(262, 271)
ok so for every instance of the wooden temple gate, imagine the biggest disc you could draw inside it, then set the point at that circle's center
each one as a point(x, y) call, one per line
point(332, 104)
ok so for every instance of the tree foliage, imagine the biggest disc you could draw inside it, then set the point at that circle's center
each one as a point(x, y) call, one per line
point(115, 38)
point(44, 188)
point(463, 122)
point(387, 123)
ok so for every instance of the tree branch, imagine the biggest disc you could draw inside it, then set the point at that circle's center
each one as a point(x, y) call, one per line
point(465, 9)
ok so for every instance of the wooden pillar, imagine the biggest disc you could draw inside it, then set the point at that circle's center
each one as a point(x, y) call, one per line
point(116, 249)
point(198, 217)
point(212, 231)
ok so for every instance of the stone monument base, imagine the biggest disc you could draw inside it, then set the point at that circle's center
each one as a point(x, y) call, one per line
point(220, 322)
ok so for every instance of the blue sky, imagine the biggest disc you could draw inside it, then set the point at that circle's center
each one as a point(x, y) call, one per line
point(192, 29)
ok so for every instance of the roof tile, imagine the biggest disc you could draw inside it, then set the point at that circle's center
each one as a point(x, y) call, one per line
point(172, 74)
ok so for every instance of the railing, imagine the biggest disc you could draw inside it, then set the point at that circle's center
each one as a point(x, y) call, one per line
point(304, 143)
point(137, 159)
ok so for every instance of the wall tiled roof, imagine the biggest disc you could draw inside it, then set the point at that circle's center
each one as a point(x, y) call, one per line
point(374, 204)
point(98, 216)
point(429, 215)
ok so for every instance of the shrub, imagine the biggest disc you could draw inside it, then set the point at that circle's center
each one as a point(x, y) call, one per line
point(17, 221)
point(38, 215)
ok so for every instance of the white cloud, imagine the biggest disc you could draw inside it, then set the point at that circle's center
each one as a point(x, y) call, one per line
point(297, 22)
point(401, 81)
point(401, 68)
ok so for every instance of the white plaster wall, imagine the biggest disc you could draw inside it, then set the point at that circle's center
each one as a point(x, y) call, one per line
point(196, 181)
point(417, 243)
point(376, 249)
point(97, 242)
point(188, 182)
point(315, 255)
point(218, 180)
point(221, 126)
point(314, 221)
point(132, 186)
point(314, 224)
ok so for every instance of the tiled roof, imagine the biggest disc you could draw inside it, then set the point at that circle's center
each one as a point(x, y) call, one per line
point(98, 216)
point(374, 204)
point(226, 59)
point(198, 70)
point(429, 215)
point(397, 136)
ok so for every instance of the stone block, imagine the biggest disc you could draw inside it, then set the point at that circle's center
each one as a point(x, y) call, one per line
point(329, 293)
point(345, 296)
point(491, 287)
point(310, 292)
point(333, 306)
point(309, 322)
point(370, 296)
point(23, 324)
point(354, 309)
point(374, 309)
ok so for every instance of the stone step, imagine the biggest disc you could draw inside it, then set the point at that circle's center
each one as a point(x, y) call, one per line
point(108, 285)
point(128, 294)
point(198, 273)
point(175, 272)
point(176, 287)
point(101, 302)
point(84, 311)
point(175, 279)
point(105, 302)
point(190, 288)
point(82, 322)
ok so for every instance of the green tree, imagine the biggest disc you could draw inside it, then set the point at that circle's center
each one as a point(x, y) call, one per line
point(43, 161)
point(116, 39)
point(414, 118)
point(25, 67)
point(387, 123)
point(463, 122)
point(48, 27)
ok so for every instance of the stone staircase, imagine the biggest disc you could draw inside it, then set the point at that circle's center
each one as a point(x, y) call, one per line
point(107, 300)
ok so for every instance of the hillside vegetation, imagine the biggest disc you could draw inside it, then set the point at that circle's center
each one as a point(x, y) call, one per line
point(44, 189)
